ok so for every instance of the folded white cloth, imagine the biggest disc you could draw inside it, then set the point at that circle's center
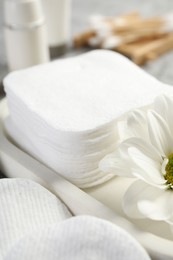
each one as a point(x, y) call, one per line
point(78, 238)
point(26, 206)
point(67, 110)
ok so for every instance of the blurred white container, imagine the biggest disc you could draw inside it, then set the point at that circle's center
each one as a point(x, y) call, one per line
point(25, 33)
point(57, 14)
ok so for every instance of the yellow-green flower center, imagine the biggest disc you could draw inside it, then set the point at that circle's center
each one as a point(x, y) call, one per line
point(169, 170)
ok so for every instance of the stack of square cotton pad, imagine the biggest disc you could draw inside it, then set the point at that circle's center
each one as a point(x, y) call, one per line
point(64, 113)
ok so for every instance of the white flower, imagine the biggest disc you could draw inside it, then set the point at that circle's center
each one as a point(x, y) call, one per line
point(148, 156)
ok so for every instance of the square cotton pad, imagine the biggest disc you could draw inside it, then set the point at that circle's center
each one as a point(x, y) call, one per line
point(64, 113)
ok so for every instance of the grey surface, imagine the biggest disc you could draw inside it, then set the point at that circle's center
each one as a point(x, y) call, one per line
point(162, 68)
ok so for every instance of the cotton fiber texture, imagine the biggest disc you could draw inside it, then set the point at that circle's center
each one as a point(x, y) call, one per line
point(79, 238)
point(66, 110)
point(26, 206)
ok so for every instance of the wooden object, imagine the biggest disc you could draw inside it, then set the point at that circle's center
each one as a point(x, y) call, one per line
point(140, 39)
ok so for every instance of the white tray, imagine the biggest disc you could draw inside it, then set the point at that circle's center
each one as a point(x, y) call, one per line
point(154, 236)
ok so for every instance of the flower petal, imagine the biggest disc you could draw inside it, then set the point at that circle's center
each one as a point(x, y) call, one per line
point(170, 221)
point(163, 105)
point(115, 165)
point(142, 200)
point(144, 146)
point(148, 150)
point(159, 133)
point(135, 125)
point(122, 130)
point(120, 162)
point(149, 169)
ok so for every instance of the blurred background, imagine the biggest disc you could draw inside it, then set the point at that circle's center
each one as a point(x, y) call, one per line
point(161, 68)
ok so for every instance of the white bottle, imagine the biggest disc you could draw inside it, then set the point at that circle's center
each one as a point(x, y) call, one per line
point(25, 34)
point(57, 14)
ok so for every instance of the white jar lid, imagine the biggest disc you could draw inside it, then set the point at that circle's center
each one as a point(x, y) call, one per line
point(21, 13)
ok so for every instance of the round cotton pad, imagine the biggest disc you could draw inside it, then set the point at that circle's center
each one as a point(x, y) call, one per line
point(79, 238)
point(26, 206)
